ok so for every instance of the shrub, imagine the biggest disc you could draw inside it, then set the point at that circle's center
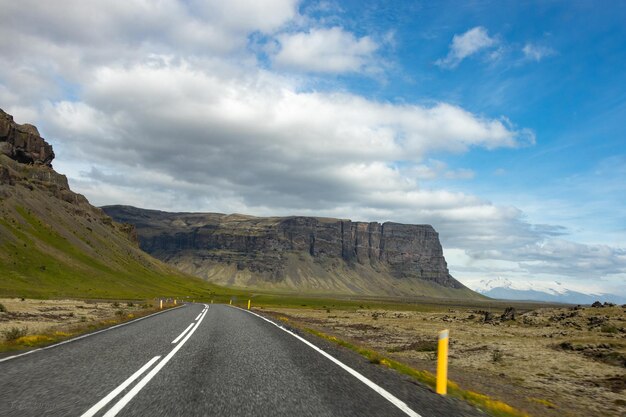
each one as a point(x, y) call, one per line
point(607, 328)
point(120, 313)
point(130, 304)
point(3, 309)
point(14, 333)
point(496, 356)
point(115, 304)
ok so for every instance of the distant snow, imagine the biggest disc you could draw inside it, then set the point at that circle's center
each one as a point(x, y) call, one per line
point(506, 289)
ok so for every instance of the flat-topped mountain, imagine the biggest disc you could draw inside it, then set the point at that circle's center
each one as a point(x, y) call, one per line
point(297, 254)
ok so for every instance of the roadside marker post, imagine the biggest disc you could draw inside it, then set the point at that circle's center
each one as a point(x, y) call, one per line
point(174, 301)
point(161, 305)
point(230, 302)
point(442, 363)
point(249, 304)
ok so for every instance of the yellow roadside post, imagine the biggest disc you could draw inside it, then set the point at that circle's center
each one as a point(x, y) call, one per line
point(230, 301)
point(249, 304)
point(442, 363)
point(161, 305)
point(174, 301)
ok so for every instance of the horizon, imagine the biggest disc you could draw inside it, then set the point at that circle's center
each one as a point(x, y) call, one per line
point(494, 122)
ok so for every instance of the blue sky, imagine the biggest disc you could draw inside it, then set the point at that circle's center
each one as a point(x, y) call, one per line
point(499, 122)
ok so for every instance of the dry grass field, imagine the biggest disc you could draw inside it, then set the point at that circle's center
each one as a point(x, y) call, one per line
point(26, 323)
point(545, 362)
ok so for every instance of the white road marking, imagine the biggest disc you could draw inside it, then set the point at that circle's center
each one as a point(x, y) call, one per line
point(199, 315)
point(89, 334)
point(180, 336)
point(380, 390)
point(93, 410)
point(131, 394)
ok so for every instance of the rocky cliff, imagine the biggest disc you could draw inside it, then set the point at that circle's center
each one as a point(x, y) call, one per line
point(296, 253)
point(23, 142)
point(53, 243)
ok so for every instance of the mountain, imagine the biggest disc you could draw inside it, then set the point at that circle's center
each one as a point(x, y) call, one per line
point(298, 254)
point(503, 288)
point(53, 243)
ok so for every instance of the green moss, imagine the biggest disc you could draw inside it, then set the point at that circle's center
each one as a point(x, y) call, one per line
point(491, 406)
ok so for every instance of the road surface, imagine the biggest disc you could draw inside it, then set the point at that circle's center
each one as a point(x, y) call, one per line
point(208, 360)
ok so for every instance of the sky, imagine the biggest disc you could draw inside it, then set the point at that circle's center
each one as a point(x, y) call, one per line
point(501, 123)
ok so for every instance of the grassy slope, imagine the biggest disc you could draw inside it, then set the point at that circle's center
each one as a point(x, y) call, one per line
point(52, 248)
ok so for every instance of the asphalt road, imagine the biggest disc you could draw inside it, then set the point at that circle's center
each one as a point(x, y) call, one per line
point(229, 362)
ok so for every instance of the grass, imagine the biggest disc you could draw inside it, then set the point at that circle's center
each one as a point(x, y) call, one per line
point(14, 333)
point(491, 406)
point(419, 346)
point(38, 260)
point(422, 304)
point(545, 403)
point(18, 338)
point(497, 356)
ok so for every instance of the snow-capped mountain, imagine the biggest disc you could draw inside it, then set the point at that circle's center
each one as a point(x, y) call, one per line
point(554, 291)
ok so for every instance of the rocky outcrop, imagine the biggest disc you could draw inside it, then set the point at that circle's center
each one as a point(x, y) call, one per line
point(25, 163)
point(23, 143)
point(260, 245)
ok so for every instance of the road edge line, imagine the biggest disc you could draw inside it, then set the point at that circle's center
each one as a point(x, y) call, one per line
point(82, 336)
point(401, 405)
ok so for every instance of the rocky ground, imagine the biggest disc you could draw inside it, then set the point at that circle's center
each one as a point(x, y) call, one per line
point(547, 362)
point(37, 317)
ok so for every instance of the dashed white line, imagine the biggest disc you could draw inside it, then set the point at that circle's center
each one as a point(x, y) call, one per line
point(196, 319)
point(93, 410)
point(131, 394)
point(180, 336)
point(380, 390)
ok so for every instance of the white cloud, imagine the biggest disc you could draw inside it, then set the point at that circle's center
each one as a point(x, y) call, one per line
point(332, 50)
point(162, 105)
point(465, 45)
point(536, 52)
point(259, 133)
point(246, 16)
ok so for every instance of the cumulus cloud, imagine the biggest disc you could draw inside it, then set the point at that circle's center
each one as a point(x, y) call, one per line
point(465, 45)
point(332, 50)
point(163, 105)
point(268, 140)
point(559, 256)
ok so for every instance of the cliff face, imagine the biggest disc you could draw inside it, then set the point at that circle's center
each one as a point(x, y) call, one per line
point(271, 249)
point(23, 142)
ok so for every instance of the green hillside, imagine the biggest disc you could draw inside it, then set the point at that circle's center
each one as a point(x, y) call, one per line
point(53, 243)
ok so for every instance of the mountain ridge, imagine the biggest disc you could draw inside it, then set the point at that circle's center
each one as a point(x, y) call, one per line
point(297, 253)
